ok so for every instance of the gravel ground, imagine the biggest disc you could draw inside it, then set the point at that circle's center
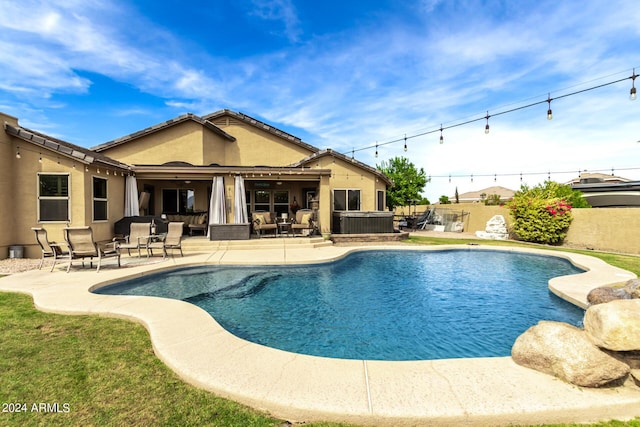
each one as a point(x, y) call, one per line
point(18, 265)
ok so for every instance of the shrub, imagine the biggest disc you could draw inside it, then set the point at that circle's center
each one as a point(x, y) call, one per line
point(543, 214)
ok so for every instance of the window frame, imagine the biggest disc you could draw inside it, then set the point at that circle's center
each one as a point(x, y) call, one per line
point(102, 200)
point(347, 199)
point(40, 198)
point(381, 200)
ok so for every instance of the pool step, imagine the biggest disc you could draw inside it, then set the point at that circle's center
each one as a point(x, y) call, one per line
point(202, 244)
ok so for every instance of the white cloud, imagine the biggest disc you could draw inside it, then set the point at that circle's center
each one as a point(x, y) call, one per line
point(282, 11)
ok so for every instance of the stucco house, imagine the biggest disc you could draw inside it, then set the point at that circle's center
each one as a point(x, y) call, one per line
point(52, 183)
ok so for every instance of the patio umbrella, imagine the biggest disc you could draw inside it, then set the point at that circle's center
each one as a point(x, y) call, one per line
point(131, 206)
point(217, 208)
point(240, 215)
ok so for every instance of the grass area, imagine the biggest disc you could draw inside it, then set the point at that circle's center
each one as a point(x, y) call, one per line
point(103, 372)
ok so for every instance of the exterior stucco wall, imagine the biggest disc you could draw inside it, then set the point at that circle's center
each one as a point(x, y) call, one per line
point(19, 193)
point(255, 147)
point(7, 187)
point(346, 175)
point(184, 142)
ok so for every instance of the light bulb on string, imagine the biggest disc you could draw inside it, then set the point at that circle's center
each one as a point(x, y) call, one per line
point(405, 142)
point(376, 150)
point(18, 153)
point(441, 137)
point(632, 92)
point(549, 112)
point(486, 127)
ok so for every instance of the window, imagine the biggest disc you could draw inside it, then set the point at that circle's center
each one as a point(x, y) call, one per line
point(177, 200)
point(380, 200)
point(53, 197)
point(280, 202)
point(99, 199)
point(262, 200)
point(346, 200)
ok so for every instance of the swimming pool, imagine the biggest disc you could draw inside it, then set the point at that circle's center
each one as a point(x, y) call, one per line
point(377, 305)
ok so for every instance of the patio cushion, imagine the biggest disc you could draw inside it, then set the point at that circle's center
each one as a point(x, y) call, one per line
point(259, 218)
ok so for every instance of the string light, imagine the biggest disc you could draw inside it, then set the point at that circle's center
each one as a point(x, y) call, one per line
point(18, 152)
point(376, 150)
point(522, 175)
point(632, 92)
point(40, 158)
point(486, 127)
point(405, 142)
point(441, 138)
point(522, 107)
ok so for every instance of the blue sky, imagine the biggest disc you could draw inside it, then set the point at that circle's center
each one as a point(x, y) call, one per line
point(345, 75)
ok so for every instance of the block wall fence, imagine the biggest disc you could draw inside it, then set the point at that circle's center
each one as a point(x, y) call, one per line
point(605, 229)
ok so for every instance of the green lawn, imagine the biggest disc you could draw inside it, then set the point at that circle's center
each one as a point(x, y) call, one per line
point(102, 372)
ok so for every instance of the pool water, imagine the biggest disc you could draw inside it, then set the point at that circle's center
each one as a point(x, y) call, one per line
point(377, 305)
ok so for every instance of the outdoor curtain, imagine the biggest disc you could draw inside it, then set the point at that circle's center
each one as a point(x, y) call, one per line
point(131, 206)
point(217, 208)
point(240, 215)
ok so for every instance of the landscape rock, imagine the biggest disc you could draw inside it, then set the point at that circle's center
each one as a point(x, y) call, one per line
point(496, 229)
point(614, 325)
point(564, 351)
point(606, 294)
point(633, 288)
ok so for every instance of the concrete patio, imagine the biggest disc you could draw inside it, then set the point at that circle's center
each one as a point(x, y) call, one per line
point(472, 392)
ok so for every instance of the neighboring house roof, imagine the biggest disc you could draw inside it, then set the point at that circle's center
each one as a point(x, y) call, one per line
point(80, 154)
point(329, 152)
point(260, 125)
point(474, 196)
point(160, 126)
point(588, 177)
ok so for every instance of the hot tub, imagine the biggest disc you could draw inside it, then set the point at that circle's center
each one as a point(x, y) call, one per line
point(362, 222)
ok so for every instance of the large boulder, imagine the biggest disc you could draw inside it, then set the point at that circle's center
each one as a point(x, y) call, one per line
point(606, 294)
point(614, 325)
point(632, 287)
point(564, 351)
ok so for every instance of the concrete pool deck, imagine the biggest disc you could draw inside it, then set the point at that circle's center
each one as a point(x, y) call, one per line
point(472, 392)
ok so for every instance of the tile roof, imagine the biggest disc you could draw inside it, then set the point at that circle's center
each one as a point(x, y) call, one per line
point(82, 155)
point(155, 128)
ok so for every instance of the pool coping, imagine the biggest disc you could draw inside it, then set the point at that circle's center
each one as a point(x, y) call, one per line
point(480, 391)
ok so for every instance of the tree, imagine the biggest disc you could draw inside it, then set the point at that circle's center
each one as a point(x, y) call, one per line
point(408, 182)
point(542, 214)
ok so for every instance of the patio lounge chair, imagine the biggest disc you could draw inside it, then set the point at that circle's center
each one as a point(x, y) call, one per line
point(173, 240)
point(263, 222)
point(138, 237)
point(303, 224)
point(81, 246)
point(49, 249)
